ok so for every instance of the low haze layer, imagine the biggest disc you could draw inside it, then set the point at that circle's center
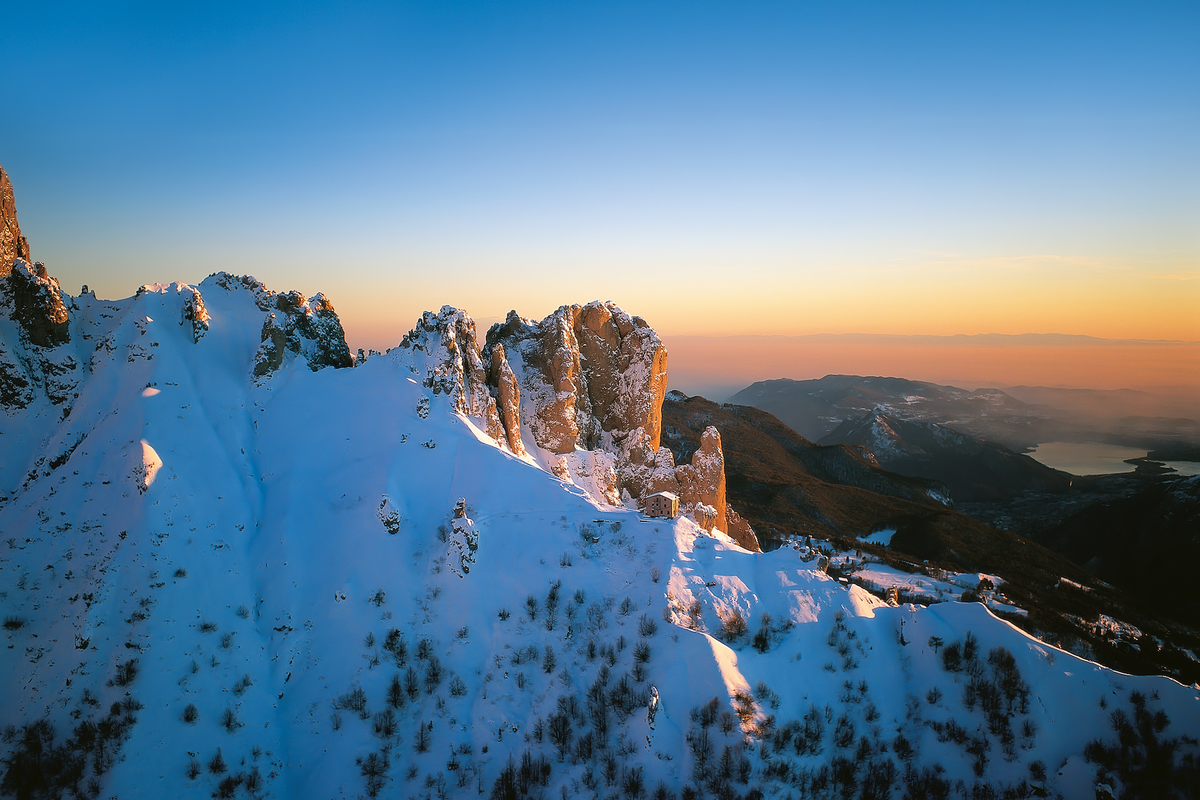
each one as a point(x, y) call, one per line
point(716, 367)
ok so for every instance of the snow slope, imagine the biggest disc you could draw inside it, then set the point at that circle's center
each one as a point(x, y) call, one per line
point(252, 544)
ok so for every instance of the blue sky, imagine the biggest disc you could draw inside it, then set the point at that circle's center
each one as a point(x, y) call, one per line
point(787, 168)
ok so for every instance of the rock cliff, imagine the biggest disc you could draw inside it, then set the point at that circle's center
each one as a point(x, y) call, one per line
point(36, 303)
point(590, 376)
point(508, 397)
point(194, 313)
point(12, 244)
point(586, 385)
point(34, 358)
point(580, 392)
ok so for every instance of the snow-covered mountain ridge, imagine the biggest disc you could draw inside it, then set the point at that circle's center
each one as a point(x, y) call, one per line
point(231, 568)
point(276, 553)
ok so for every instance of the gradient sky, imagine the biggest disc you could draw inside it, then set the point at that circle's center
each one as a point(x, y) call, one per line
point(718, 168)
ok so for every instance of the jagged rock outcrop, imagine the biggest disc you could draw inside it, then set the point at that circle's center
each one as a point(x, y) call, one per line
point(587, 385)
point(302, 326)
point(314, 329)
point(593, 378)
point(702, 482)
point(12, 244)
point(270, 353)
point(508, 397)
point(590, 376)
point(453, 366)
point(264, 298)
point(547, 356)
point(740, 530)
point(659, 475)
point(36, 359)
point(699, 484)
point(36, 304)
point(194, 312)
point(625, 364)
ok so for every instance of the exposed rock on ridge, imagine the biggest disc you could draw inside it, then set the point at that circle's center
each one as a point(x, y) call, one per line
point(195, 313)
point(508, 397)
point(455, 367)
point(303, 326)
point(36, 359)
point(703, 480)
point(36, 304)
point(592, 379)
point(12, 244)
point(590, 376)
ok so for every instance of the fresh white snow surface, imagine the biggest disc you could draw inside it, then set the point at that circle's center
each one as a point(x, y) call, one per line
point(232, 535)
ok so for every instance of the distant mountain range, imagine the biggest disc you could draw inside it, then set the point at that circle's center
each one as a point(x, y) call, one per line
point(1019, 418)
point(785, 485)
point(971, 469)
point(815, 408)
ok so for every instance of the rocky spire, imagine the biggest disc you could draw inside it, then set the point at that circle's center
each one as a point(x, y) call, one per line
point(12, 244)
point(589, 381)
point(591, 376)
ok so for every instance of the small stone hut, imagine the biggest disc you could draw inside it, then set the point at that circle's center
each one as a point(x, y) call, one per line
point(662, 504)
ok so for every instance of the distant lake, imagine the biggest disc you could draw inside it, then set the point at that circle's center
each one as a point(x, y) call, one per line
point(1099, 459)
point(1087, 459)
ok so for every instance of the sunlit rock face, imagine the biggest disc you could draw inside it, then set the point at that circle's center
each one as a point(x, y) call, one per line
point(12, 244)
point(544, 358)
point(702, 482)
point(590, 376)
point(194, 313)
point(508, 397)
point(625, 364)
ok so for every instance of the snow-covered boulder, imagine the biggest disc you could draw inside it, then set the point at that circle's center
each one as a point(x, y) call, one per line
point(390, 515)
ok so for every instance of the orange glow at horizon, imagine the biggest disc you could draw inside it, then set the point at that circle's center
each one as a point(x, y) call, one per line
point(764, 293)
point(1099, 364)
